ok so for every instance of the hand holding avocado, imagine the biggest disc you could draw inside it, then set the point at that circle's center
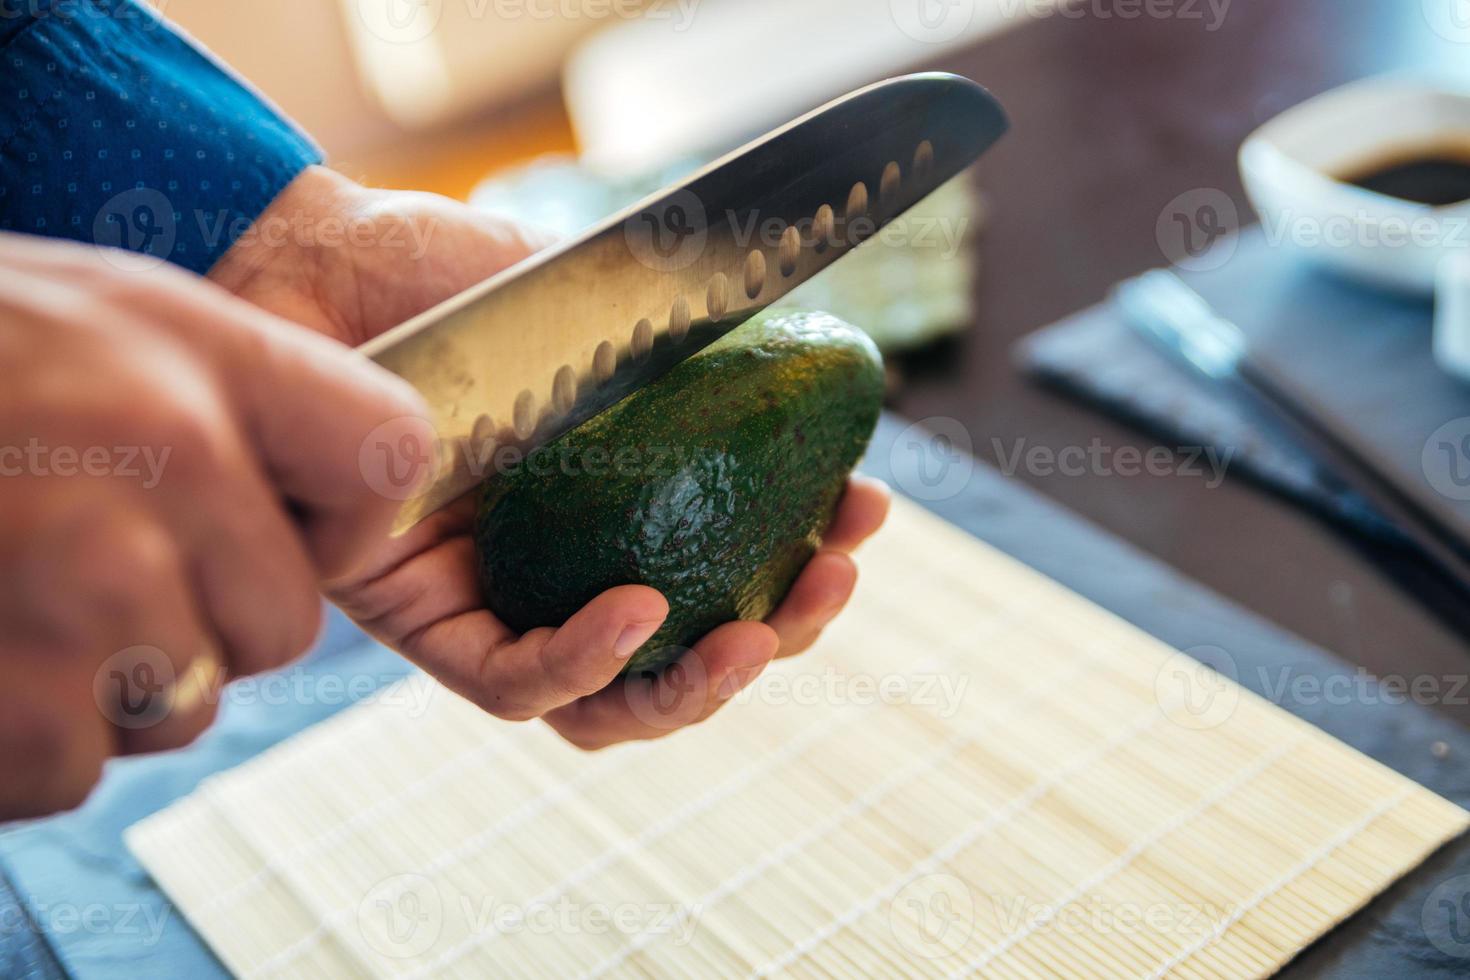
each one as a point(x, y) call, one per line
point(421, 594)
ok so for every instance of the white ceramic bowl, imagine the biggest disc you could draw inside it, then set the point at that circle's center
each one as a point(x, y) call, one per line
point(1292, 167)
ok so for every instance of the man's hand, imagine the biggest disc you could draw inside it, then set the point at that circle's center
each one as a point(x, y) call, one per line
point(350, 263)
point(171, 488)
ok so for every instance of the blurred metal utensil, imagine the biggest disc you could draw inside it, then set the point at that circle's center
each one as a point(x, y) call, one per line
point(1161, 307)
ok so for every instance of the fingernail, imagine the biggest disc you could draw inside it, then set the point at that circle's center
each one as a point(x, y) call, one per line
point(633, 637)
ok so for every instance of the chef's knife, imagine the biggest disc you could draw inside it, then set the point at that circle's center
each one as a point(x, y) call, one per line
point(514, 362)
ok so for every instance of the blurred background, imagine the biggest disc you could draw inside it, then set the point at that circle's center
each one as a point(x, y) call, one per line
point(433, 93)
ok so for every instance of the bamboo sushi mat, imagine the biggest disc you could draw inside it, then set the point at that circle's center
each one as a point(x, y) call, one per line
point(976, 771)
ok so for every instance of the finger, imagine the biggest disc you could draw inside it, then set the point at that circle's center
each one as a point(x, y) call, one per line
point(461, 247)
point(432, 586)
point(519, 678)
point(343, 439)
point(255, 578)
point(127, 587)
point(687, 692)
point(340, 437)
point(157, 700)
point(453, 521)
point(501, 242)
point(859, 514)
point(53, 741)
point(193, 706)
point(819, 594)
point(124, 626)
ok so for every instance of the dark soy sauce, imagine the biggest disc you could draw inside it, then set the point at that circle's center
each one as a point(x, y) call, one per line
point(1437, 176)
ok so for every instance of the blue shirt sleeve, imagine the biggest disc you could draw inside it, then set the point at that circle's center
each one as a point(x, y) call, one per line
point(115, 130)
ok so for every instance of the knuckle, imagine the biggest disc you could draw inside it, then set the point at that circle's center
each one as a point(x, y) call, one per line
point(193, 442)
point(113, 286)
point(561, 679)
point(293, 631)
point(121, 560)
point(503, 693)
point(109, 287)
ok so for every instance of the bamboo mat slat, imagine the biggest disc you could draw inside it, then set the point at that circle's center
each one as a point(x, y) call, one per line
point(976, 771)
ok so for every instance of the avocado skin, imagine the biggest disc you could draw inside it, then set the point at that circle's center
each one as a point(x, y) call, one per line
point(714, 485)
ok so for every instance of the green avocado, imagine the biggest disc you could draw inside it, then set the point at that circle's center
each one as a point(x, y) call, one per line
point(714, 485)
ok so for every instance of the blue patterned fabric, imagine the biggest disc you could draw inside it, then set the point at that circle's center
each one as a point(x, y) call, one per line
point(115, 130)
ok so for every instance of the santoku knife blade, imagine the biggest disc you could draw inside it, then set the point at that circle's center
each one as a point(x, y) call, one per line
point(526, 355)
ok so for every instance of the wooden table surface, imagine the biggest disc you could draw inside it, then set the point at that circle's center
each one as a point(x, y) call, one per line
point(1113, 118)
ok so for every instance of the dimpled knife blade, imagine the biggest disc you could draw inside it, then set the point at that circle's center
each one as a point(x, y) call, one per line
point(512, 363)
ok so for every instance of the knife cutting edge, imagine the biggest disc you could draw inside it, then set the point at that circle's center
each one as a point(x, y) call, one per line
point(517, 360)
